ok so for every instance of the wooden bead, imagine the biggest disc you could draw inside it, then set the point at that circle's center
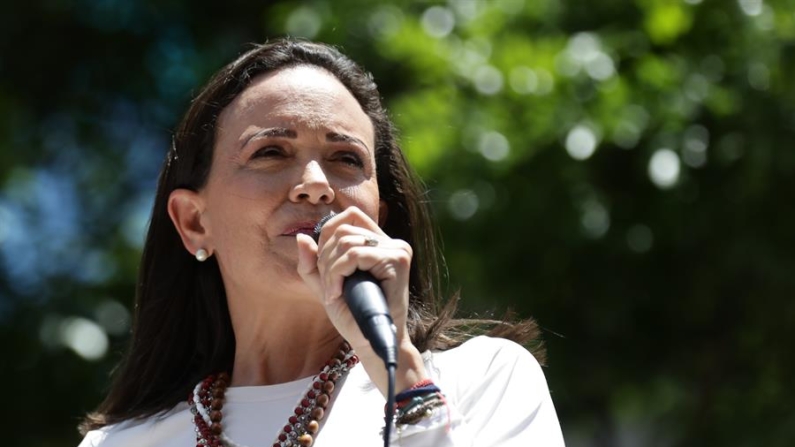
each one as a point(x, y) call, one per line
point(322, 400)
point(305, 440)
point(317, 414)
point(215, 428)
point(216, 416)
point(313, 427)
point(328, 387)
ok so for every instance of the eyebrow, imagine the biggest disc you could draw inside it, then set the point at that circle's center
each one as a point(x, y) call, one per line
point(277, 132)
point(282, 132)
point(335, 137)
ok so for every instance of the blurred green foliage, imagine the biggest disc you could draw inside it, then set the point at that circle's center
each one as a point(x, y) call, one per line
point(622, 171)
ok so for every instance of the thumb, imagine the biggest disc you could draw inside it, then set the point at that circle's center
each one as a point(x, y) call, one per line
point(307, 262)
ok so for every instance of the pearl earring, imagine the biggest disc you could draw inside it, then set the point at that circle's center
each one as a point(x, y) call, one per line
point(202, 255)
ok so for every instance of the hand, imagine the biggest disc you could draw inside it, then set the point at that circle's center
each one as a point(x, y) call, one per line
point(341, 250)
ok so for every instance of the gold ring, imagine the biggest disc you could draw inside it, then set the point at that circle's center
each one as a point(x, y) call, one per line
point(370, 241)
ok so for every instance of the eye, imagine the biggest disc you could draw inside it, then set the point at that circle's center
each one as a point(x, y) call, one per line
point(349, 158)
point(268, 152)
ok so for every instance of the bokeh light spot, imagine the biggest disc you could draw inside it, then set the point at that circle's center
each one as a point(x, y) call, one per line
point(303, 22)
point(664, 168)
point(463, 204)
point(385, 21)
point(113, 317)
point(494, 146)
point(581, 142)
point(595, 220)
point(86, 338)
point(488, 80)
point(438, 21)
point(751, 7)
point(601, 67)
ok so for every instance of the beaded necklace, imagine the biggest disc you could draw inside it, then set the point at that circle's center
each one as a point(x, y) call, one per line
point(207, 399)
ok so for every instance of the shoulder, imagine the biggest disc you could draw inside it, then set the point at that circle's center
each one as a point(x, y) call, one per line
point(485, 362)
point(500, 390)
point(173, 428)
point(485, 353)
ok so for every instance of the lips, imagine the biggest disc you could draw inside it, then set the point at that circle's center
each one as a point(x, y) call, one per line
point(300, 227)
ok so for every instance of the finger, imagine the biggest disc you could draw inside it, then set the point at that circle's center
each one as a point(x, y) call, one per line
point(385, 263)
point(352, 216)
point(344, 239)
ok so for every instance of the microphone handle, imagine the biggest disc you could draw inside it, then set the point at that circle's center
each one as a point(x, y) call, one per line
point(367, 303)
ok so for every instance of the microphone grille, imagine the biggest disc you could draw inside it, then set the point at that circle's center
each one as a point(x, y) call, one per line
point(320, 224)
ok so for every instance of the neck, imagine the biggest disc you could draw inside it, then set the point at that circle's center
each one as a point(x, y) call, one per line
point(286, 341)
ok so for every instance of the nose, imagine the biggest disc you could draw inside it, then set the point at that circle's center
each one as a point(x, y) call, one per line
point(313, 186)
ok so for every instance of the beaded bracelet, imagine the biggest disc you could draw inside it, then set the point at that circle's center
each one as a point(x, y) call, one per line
point(418, 402)
point(418, 408)
point(413, 392)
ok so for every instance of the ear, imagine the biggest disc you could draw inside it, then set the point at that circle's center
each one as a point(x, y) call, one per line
point(186, 208)
point(383, 212)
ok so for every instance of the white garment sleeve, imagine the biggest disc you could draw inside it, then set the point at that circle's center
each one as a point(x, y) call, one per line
point(497, 396)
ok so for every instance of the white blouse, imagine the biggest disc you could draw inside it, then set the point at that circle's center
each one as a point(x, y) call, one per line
point(495, 390)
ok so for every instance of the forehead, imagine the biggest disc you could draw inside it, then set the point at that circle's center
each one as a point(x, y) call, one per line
point(300, 97)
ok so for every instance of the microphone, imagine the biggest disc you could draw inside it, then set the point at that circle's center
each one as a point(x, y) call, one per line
point(366, 301)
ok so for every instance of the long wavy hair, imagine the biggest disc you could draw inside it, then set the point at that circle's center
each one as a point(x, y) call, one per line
point(182, 330)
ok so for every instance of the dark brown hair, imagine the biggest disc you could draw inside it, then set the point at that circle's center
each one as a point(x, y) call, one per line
point(182, 330)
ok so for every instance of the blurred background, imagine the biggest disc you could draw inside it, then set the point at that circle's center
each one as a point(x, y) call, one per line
point(622, 171)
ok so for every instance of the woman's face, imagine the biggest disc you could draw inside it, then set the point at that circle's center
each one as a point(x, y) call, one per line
point(290, 148)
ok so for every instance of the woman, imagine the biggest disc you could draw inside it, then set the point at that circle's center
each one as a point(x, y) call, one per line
point(241, 335)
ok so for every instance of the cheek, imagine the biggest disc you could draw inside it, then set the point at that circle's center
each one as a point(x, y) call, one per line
point(365, 197)
point(241, 209)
